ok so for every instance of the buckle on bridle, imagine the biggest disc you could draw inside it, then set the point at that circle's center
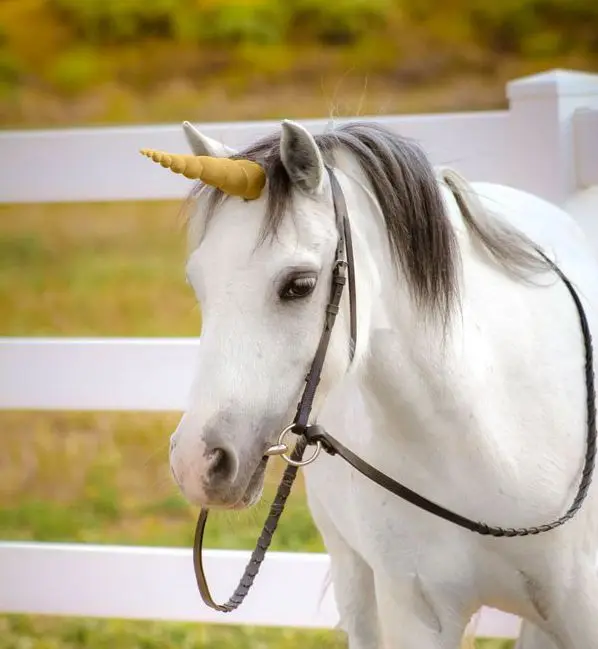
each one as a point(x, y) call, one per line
point(340, 268)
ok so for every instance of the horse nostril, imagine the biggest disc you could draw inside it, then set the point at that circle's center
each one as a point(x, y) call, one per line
point(221, 464)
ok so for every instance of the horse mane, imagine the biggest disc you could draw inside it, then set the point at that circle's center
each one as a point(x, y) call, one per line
point(408, 190)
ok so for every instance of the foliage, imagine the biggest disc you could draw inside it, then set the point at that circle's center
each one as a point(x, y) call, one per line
point(81, 43)
point(343, 21)
point(75, 70)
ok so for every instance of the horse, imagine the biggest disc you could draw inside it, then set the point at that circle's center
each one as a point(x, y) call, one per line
point(465, 379)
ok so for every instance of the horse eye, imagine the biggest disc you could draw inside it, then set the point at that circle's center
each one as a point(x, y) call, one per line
point(298, 287)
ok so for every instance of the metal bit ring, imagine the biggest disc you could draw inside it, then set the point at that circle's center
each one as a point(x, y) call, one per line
point(282, 449)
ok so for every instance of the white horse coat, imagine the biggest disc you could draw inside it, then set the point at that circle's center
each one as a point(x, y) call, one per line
point(509, 479)
point(487, 418)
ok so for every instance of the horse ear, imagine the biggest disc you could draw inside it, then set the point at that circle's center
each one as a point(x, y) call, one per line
point(301, 158)
point(203, 145)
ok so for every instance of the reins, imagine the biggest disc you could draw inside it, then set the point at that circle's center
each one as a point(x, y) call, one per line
point(315, 435)
point(343, 261)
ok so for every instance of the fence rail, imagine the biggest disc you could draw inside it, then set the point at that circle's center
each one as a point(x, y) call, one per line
point(145, 583)
point(152, 374)
point(104, 164)
point(544, 143)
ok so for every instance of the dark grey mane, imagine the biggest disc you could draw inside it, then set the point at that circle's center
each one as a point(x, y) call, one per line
point(420, 234)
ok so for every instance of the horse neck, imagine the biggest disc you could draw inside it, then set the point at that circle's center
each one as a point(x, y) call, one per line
point(384, 302)
point(404, 361)
point(484, 402)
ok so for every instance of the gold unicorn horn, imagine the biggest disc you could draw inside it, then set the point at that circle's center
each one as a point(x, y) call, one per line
point(242, 178)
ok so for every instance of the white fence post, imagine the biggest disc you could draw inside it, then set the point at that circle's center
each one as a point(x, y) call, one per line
point(542, 108)
point(585, 134)
point(583, 205)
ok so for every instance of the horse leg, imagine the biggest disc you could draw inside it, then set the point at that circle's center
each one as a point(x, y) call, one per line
point(532, 637)
point(352, 582)
point(414, 617)
point(568, 612)
point(574, 620)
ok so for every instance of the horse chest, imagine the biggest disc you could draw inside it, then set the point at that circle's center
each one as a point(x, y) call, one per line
point(406, 545)
point(386, 531)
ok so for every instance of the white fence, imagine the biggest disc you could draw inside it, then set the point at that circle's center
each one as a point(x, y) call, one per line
point(546, 142)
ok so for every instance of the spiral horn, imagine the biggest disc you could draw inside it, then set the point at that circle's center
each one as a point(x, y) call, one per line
point(243, 178)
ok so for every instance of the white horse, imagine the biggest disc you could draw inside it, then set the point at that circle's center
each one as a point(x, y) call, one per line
point(467, 383)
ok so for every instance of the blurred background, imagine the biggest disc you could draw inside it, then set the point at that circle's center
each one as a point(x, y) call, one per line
point(68, 62)
point(117, 269)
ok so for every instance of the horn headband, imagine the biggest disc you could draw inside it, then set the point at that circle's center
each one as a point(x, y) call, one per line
point(243, 178)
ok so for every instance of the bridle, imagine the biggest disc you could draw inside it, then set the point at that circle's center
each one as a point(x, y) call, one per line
point(314, 435)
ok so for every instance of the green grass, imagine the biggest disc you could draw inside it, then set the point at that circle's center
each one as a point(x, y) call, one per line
point(94, 269)
point(107, 270)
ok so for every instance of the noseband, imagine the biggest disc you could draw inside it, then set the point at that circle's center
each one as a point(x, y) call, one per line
point(314, 435)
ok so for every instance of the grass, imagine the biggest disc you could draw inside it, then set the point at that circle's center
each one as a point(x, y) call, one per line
point(93, 269)
point(113, 270)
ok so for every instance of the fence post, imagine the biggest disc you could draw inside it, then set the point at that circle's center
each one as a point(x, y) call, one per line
point(583, 204)
point(542, 108)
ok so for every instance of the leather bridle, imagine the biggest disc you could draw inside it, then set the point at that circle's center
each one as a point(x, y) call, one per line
point(314, 435)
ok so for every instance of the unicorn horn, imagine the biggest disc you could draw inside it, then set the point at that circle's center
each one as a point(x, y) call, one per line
point(243, 178)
